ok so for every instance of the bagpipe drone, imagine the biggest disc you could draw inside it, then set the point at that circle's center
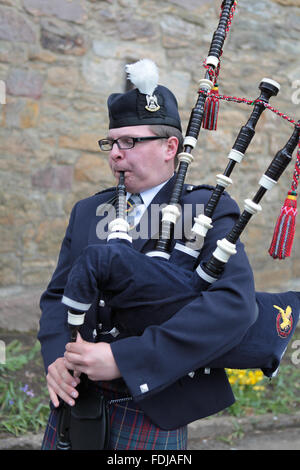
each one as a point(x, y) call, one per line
point(119, 271)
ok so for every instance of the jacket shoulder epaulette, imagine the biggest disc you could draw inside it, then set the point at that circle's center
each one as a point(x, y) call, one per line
point(195, 187)
point(113, 188)
point(209, 187)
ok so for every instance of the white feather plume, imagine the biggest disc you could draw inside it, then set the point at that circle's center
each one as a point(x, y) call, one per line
point(144, 75)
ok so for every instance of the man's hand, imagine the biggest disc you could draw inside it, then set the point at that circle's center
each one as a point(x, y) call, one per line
point(94, 359)
point(61, 383)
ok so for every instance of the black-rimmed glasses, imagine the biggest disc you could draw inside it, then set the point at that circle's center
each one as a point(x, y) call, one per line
point(124, 143)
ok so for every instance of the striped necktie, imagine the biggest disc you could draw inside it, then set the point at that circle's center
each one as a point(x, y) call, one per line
point(132, 203)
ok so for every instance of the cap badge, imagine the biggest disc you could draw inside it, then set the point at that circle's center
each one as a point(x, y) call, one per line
point(152, 104)
point(284, 321)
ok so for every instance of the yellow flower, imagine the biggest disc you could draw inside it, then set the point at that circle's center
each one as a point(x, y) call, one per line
point(245, 377)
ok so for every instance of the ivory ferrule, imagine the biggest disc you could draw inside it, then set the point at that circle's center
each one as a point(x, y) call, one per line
point(212, 60)
point(202, 225)
point(267, 182)
point(224, 250)
point(170, 213)
point(223, 180)
point(75, 319)
point(251, 206)
point(272, 82)
point(205, 84)
point(185, 157)
point(119, 225)
point(119, 235)
point(236, 155)
point(191, 141)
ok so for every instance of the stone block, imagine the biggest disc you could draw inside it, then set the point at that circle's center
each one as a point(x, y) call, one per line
point(288, 3)
point(9, 270)
point(132, 28)
point(15, 27)
point(63, 45)
point(13, 52)
point(62, 38)
point(49, 236)
point(37, 272)
point(19, 308)
point(91, 167)
point(22, 82)
point(36, 53)
point(102, 75)
point(21, 113)
point(192, 4)
point(178, 33)
point(57, 178)
point(129, 51)
point(65, 10)
point(178, 82)
point(84, 141)
point(60, 77)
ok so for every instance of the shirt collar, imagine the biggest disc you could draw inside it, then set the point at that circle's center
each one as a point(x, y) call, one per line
point(149, 194)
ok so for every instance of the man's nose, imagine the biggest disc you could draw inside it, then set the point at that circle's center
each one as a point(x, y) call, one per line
point(115, 152)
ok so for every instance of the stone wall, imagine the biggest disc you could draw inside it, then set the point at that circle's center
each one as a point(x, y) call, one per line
point(59, 59)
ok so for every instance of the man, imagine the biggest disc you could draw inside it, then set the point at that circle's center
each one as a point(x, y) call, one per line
point(163, 371)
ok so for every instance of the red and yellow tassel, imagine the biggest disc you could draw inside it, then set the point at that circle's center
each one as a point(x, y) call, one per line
point(283, 237)
point(282, 242)
point(211, 110)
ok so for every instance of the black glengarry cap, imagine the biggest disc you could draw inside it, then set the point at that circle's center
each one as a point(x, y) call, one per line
point(148, 103)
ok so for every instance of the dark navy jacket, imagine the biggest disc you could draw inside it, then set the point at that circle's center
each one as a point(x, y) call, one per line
point(155, 365)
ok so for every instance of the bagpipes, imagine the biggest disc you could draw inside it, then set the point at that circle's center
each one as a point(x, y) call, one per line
point(177, 278)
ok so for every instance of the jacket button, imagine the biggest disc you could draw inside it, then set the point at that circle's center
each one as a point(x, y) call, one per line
point(144, 388)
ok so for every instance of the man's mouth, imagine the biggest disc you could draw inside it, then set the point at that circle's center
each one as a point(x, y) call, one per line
point(119, 170)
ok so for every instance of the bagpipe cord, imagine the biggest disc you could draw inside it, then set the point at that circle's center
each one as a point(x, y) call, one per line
point(284, 232)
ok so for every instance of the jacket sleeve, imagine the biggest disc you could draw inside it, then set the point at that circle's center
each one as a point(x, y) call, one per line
point(53, 333)
point(204, 329)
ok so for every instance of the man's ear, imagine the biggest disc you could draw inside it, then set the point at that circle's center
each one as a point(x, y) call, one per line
point(172, 146)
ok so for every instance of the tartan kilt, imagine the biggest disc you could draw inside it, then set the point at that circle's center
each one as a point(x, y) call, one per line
point(130, 429)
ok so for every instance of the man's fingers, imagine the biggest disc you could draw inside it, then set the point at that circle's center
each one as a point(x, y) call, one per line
point(73, 358)
point(79, 339)
point(53, 397)
point(66, 392)
point(61, 383)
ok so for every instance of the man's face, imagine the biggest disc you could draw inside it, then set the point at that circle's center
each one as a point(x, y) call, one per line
point(147, 164)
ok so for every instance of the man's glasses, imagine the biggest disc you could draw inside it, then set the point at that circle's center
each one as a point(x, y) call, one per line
point(124, 143)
